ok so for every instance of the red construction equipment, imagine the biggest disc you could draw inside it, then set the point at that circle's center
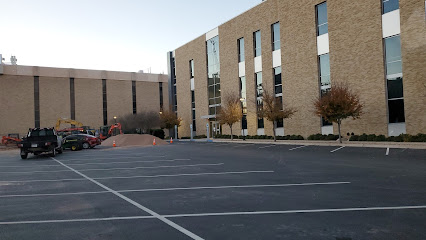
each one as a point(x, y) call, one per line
point(10, 139)
point(111, 129)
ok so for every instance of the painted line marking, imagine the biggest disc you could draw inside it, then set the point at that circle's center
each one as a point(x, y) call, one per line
point(267, 146)
point(297, 148)
point(106, 163)
point(335, 150)
point(110, 158)
point(178, 189)
point(28, 166)
point(133, 177)
point(113, 169)
point(296, 211)
point(219, 214)
point(143, 208)
point(78, 220)
point(387, 151)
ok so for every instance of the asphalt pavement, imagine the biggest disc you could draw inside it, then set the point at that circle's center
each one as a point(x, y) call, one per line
point(192, 190)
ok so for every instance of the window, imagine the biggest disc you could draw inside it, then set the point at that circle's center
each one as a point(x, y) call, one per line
point(213, 72)
point(259, 87)
point(257, 44)
point(161, 96)
point(104, 100)
point(134, 96)
point(241, 54)
point(394, 79)
point(72, 98)
point(191, 68)
point(259, 99)
point(36, 102)
point(322, 19)
point(278, 80)
point(276, 42)
point(194, 128)
point(243, 96)
point(324, 71)
point(389, 6)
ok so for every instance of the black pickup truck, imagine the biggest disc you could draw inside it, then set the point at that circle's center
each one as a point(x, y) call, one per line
point(40, 140)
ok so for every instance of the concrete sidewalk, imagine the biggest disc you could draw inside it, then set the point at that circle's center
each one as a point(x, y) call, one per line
point(410, 145)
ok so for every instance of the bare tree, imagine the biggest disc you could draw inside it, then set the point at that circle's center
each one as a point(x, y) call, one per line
point(338, 104)
point(230, 111)
point(169, 120)
point(273, 110)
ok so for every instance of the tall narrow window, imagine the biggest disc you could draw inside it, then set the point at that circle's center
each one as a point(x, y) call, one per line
point(276, 42)
point(104, 100)
point(257, 44)
point(259, 98)
point(324, 74)
point(322, 19)
point(134, 96)
point(160, 88)
point(72, 98)
point(36, 102)
point(394, 79)
point(241, 54)
point(191, 68)
point(213, 69)
point(243, 95)
point(389, 6)
point(194, 126)
point(278, 80)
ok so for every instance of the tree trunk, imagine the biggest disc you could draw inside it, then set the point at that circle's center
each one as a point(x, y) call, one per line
point(232, 136)
point(274, 123)
point(340, 135)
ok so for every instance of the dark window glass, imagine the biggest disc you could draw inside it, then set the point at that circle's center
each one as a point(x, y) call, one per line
point(241, 54)
point(36, 102)
point(322, 19)
point(194, 126)
point(105, 105)
point(193, 114)
point(212, 110)
point(395, 89)
point(72, 98)
point(244, 122)
point(134, 96)
point(279, 101)
point(276, 42)
point(280, 123)
point(260, 123)
point(390, 5)
point(326, 123)
point(396, 111)
point(278, 80)
point(257, 44)
point(161, 96)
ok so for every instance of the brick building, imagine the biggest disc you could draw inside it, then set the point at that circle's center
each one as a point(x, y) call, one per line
point(37, 96)
point(296, 49)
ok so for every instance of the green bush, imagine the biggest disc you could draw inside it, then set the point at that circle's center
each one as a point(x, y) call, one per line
point(381, 138)
point(363, 137)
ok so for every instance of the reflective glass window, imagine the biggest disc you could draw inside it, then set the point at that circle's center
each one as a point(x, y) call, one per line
point(257, 44)
point(322, 19)
point(241, 54)
point(396, 111)
point(390, 5)
point(276, 43)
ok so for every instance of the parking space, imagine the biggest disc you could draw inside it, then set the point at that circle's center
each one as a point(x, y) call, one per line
point(215, 191)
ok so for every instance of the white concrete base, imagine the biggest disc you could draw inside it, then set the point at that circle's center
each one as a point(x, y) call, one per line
point(279, 132)
point(396, 129)
point(260, 132)
point(327, 130)
point(244, 132)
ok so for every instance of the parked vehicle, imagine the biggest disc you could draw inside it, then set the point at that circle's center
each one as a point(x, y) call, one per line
point(80, 141)
point(40, 140)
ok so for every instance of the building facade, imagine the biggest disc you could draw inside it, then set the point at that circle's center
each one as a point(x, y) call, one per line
point(37, 96)
point(296, 49)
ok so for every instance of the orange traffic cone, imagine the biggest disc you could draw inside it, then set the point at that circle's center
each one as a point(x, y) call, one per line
point(153, 142)
point(171, 140)
point(113, 144)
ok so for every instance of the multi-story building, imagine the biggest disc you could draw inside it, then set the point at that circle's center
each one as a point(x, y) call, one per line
point(296, 49)
point(38, 96)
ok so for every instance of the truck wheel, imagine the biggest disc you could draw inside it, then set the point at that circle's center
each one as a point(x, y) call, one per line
point(53, 154)
point(24, 155)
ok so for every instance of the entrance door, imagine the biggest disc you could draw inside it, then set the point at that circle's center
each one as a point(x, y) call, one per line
point(215, 128)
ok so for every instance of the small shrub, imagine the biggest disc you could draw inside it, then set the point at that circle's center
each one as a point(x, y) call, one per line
point(363, 137)
point(354, 138)
point(380, 138)
point(157, 133)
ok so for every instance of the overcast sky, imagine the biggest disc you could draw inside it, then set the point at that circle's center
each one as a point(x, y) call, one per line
point(121, 35)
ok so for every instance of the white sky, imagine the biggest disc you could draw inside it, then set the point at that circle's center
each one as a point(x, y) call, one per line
point(120, 35)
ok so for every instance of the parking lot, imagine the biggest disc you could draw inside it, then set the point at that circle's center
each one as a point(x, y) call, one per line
point(215, 191)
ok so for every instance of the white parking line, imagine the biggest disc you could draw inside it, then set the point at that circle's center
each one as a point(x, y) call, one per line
point(296, 211)
point(109, 158)
point(156, 215)
point(30, 166)
point(106, 163)
point(114, 169)
point(133, 177)
point(267, 146)
point(297, 148)
point(78, 220)
point(179, 189)
point(387, 151)
point(335, 150)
